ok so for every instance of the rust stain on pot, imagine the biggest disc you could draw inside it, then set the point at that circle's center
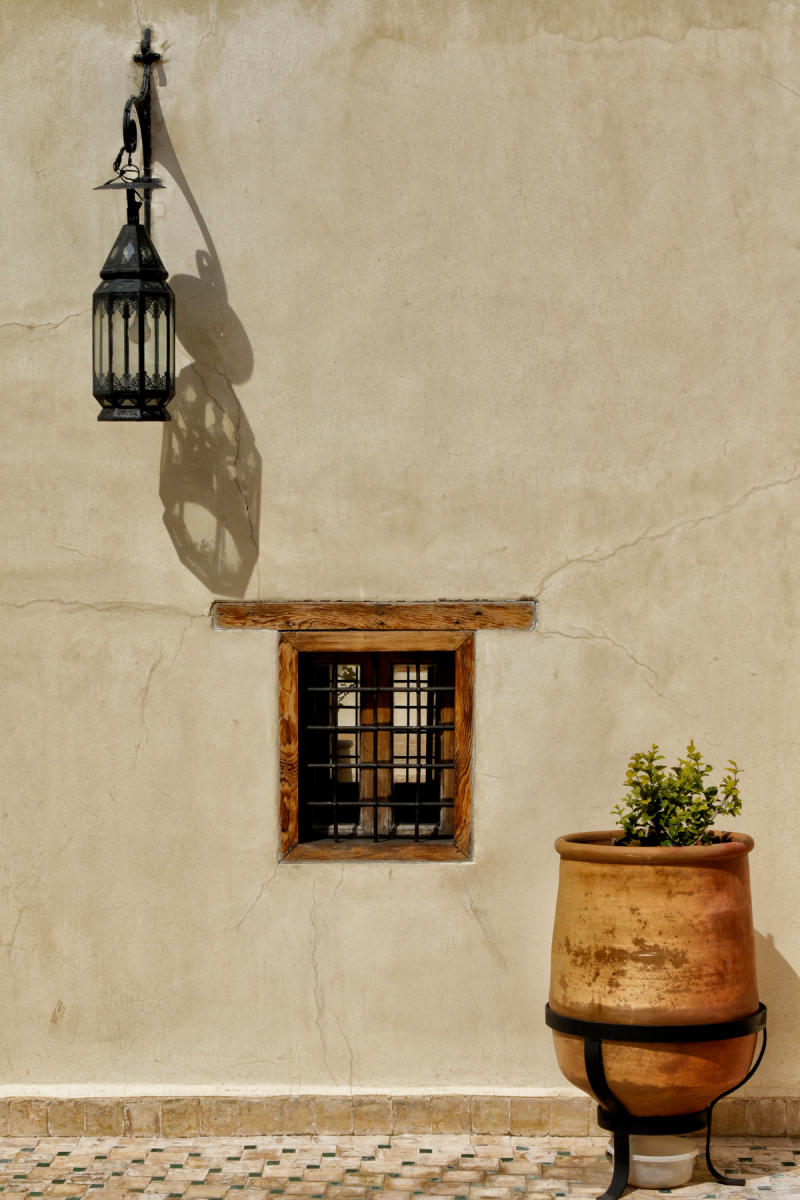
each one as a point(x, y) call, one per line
point(611, 983)
point(660, 956)
point(640, 953)
point(608, 955)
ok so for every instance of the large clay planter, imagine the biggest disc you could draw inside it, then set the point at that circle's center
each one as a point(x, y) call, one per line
point(655, 936)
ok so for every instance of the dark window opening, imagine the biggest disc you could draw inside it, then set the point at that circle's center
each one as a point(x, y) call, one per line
point(376, 744)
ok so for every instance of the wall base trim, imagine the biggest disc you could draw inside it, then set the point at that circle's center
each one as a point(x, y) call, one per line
point(439, 1113)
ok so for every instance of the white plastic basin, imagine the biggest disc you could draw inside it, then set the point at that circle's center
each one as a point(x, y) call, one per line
point(659, 1161)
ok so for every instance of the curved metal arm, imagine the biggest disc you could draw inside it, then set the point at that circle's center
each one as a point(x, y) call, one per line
point(141, 103)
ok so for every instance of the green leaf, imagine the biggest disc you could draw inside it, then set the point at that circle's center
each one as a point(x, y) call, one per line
point(671, 807)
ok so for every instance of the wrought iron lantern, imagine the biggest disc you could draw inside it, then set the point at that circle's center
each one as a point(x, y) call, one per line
point(133, 316)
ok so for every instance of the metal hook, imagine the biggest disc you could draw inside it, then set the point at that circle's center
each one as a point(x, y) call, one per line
point(137, 112)
point(130, 136)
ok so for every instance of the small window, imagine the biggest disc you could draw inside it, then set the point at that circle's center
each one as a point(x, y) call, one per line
point(376, 741)
point(375, 721)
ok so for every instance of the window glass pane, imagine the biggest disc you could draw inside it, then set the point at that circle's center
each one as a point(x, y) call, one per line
point(345, 708)
point(410, 712)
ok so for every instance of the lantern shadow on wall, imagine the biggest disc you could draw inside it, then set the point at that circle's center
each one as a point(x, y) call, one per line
point(210, 466)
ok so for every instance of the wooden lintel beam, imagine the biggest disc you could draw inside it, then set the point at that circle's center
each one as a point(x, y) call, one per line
point(349, 614)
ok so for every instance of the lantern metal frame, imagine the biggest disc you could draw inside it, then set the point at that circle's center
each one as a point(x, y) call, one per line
point(133, 311)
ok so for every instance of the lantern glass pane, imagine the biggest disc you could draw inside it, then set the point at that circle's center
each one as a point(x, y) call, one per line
point(124, 355)
point(153, 340)
point(100, 341)
point(170, 369)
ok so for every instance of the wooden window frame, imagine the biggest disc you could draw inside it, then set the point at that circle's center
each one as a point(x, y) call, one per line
point(408, 627)
point(290, 646)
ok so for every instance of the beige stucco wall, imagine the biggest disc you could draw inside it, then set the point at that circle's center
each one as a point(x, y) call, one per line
point(502, 300)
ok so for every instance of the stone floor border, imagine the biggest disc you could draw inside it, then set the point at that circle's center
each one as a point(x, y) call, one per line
point(223, 1116)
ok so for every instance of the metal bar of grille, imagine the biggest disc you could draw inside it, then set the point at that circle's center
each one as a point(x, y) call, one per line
point(367, 727)
point(375, 786)
point(383, 764)
point(444, 687)
point(366, 746)
point(333, 748)
point(400, 713)
point(432, 804)
point(418, 771)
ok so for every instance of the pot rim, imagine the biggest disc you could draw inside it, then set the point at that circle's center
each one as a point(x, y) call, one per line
point(595, 845)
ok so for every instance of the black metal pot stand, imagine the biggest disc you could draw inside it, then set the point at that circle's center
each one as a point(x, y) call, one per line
point(613, 1116)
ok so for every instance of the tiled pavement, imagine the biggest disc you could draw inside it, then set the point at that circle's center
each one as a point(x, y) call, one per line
point(362, 1168)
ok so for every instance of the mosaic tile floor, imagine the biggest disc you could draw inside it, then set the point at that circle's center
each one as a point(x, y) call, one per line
point(363, 1168)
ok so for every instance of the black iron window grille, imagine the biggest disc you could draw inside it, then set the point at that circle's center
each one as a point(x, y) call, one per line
point(376, 746)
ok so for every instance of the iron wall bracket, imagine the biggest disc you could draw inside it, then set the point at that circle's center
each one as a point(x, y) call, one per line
point(129, 177)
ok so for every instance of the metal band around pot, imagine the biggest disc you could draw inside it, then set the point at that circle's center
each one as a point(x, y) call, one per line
point(603, 1031)
point(612, 1114)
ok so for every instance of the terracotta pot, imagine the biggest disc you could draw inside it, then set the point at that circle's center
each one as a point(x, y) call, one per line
point(655, 936)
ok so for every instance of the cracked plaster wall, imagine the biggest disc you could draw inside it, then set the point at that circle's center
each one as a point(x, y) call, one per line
point(520, 286)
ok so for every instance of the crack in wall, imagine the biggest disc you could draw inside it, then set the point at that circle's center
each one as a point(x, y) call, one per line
point(143, 705)
point(643, 667)
point(658, 535)
point(9, 945)
point(741, 62)
point(181, 640)
point(146, 690)
point(262, 889)
point(75, 550)
point(339, 882)
point(319, 998)
point(32, 880)
point(477, 914)
point(346, 1041)
point(51, 325)
point(602, 636)
point(106, 606)
point(248, 1064)
point(212, 32)
point(319, 1001)
point(772, 79)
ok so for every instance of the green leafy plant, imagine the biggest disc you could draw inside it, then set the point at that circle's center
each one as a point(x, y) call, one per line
point(671, 806)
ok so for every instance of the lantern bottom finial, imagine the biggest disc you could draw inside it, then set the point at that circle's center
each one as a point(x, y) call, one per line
point(133, 414)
